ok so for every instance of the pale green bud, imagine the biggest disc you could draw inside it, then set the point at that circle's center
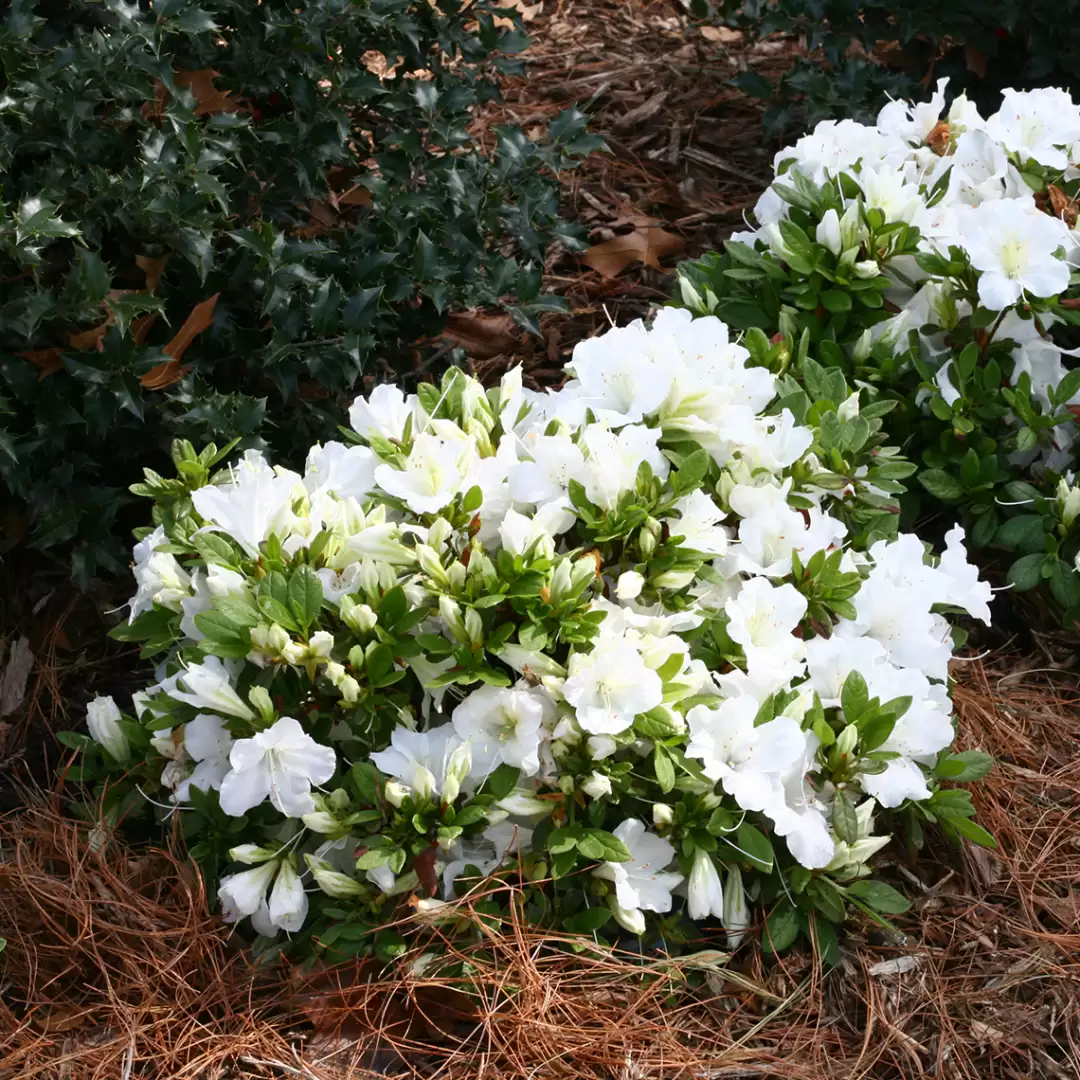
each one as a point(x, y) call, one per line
point(662, 815)
point(474, 626)
point(431, 564)
point(331, 881)
point(847, 739)
point(262, 703)
point(251, 854)
point(450, 610)
point(103, 721)
point(357, 658)
point(356, 616)
point(630, 919)
point(396, 792)
point(319, 821)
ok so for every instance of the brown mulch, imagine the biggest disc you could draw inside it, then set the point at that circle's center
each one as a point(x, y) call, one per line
point(115, 969)
point(686, 158)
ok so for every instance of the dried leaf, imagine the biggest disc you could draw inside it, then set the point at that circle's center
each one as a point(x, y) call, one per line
point(898, 966)
point(202, 315)
point(13, 678)
point(208, 97)
point(1062, 206)
point(152, 268)
point(89, 340)
point(481, 336)
point(357, 195)
point(424, 865)
point(938, 139)
point(975, 60)
point(527, 12)
point(62, 1018)
point(723, 34)
point(47, 361)
point(161, 376)
point(645, 111)
point(646, 244)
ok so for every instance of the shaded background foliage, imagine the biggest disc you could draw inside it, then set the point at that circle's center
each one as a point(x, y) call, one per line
point(217, 216)
point(861, 50)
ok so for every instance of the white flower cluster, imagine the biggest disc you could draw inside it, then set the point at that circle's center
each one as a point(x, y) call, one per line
point(605, 590)
point(964, 181)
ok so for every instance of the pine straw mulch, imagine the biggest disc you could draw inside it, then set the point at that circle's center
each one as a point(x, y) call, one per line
point(115, 969)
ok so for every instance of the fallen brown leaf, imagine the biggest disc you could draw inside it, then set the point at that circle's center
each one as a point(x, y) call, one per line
point(202, 315)
point(975, 60)
point(1062, 206)
point(153, 268)
point(47, 361)
point(140, 327)
point(161, 376)
point(723, 34)
point(209, 98)
point(646, 244)
point(89, 340)
point(357, 195)
point(481, 336)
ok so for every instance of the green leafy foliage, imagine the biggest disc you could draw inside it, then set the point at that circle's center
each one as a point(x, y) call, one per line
point(217, 216)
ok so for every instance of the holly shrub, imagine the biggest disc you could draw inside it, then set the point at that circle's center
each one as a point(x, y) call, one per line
point(216, 216)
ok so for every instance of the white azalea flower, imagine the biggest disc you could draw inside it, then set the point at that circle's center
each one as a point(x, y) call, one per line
point(281, 763)
point(242, 894)
point(642, 883)
point(428, 762)
point(504, 726)
point(384, 412)
point(160, 578)
point(611, 685)
point(434, 472)
point(746, 759)
point(208, 686)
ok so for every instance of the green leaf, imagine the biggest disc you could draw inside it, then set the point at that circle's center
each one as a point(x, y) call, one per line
point(941, 485)
point(782, 927)
point(965, 767)
point(845, 821)
point(305, 596)
point(1026, 572)
point(879, 896)
point(602, 846)
point(367, 782)
point(854, 697)
point(588, 921)
point(1065, 584)
point(974, 832)
point(664, 769)
point(754, 845)
point(563, 840)
point(501, 782)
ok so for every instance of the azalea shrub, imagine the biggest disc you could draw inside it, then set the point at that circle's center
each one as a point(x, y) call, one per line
point(642, 652)
point(929, 259)
point(218, 216)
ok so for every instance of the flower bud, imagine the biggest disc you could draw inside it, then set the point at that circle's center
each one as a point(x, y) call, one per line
point(103, 721)
point(1068, 498)
point(423, 783)
point(319, 821)
point(356, 616)
point(522, 804)
point(662, 815)
point(601, 746)
point(293, 653)
point(331, 881)
point(357, 658)
point(704, 893)
point(597, 786)
point(395, 792)
point(674, 579)
point(847, 739)
point(629, 585)
point(736, 917)
point(457, 769)
point(450, 610)
point(431, 564)
point(474, 626)
point(320, 644)
point(863, 347)
point(251, 854)
point(628, 918)
point(260, 699)
point(439, 531)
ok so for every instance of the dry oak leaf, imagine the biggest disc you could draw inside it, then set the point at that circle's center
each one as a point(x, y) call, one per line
point(47, 361)
point(723, 34)
point(481, 336)
point(647, 244)
point(208, 97)
point(171, 371)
